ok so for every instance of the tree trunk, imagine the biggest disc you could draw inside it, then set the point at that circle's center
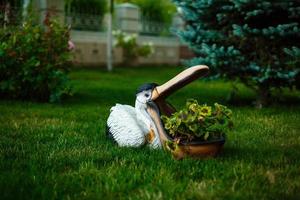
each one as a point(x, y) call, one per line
point(233, 93)
point(6, 15)
point(263, 96)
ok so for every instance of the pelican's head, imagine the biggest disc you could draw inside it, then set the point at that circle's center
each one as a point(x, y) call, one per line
point(144, 93)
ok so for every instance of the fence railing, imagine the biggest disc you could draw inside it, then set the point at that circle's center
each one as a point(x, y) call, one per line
point(85, 22)
point(155, 28)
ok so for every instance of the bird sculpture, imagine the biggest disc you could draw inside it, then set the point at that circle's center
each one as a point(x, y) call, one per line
point(141, 125)
point(133, 126)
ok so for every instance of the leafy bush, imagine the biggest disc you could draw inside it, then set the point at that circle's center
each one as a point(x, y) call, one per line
point(131, 49)
point(245, 41)
point(199, 122)
point(34, 61)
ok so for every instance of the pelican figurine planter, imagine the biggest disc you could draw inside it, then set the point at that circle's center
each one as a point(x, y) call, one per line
point(133, 126)
point(141, 125)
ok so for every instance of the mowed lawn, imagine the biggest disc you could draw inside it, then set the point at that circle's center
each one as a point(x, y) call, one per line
point(60, 151)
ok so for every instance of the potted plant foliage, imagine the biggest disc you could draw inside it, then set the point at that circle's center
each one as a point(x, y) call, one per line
point(197, 130)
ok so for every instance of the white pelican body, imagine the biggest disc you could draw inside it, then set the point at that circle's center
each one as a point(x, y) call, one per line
point(132, 126)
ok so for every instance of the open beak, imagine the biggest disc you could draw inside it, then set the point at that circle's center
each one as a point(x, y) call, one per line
point(179, 81)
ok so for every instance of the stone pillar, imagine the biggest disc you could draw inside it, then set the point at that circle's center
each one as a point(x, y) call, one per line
point(127, 18)
point(177, 22)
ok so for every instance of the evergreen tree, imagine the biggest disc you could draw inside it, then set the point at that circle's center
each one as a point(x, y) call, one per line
point(253, 41)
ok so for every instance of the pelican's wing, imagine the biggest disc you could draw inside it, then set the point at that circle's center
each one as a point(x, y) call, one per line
point(123, 126)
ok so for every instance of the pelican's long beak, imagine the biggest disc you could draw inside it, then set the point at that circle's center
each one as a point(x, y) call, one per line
point(179, 81)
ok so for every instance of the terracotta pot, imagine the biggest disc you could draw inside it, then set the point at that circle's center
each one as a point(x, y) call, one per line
point(197, 149)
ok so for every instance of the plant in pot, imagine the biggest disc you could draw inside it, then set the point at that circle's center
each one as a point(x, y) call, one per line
point(197, 130)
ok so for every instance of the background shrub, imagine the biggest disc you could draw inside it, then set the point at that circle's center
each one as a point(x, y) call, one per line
point(255, 42)
point(34, 61)
point(131, 49)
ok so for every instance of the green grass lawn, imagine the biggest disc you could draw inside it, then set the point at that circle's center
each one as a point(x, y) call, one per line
point(60, 151)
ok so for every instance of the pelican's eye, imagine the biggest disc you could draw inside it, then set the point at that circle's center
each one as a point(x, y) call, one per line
point(146, 95)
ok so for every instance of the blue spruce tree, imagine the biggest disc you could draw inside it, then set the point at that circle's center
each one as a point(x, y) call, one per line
point(253, 41)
